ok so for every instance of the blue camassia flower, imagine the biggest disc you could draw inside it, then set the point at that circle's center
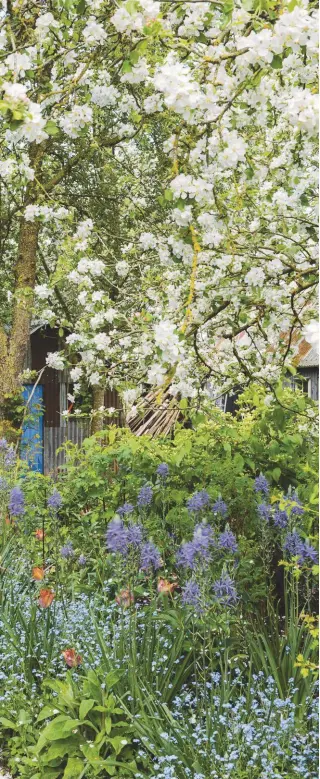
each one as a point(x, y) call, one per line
point(127, 508)
point(117, 536)
point(16, 502)
point(67, 550)
point(264, 511)
point(296, 547)
point(145, 496)
point(261, 484)
point(227, 541)
point(135, 534)
point(55, 500)
point(280, 518)
point(225, 590)
point(150, 557)
point(293, 544)
point(198, 501)
point(220, 507)
point(191, 594)
point(295, 505)
point(197, 550)
point(10, 457)
point(163, 470)
point(309, 553)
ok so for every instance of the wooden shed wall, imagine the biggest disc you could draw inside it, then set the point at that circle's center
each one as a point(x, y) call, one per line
point(312, 374)
point(43, 341)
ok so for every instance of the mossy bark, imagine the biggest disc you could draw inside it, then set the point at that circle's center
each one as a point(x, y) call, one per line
point(97, 402)
point(14, 344)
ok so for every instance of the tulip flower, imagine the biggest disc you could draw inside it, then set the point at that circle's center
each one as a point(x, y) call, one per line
point(37, 573)
point(165, 587)
point(39, 534)
point(45, 598)
point(71, 658)
point(125, 598)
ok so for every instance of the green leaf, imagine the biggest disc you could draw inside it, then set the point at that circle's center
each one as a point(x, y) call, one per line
point(112, 678)
point(108, 725)
point(126, 67)
point(73, 768)
point(61, 748)
point(131, 6)
point(51, 128)
point(118, 743)
point(238, 462)
point(7, 723)
point(46, 712)
point(314, 497)
point(23, 717)
point(84, 707)
point(276, 473)
point(60, 727)
point(276, 62)
point(81, 7)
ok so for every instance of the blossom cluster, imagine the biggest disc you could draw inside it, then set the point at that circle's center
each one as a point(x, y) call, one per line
point(231, 257)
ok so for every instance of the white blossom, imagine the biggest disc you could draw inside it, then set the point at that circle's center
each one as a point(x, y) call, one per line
point(55, 360)
point(122, 268)
point(94, 32)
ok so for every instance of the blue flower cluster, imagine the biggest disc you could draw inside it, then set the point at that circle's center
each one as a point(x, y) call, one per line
point(55, 501)
point(296, 547)
point(163, 471)
point(199, 551)
point(7, 453)
point(16, 502)
point(200, 500)
point(282, 518)
point(67, 551)
point(225, 590)
point(127, 508)
point(145, 496)
point(261, 484)
point(122, 539)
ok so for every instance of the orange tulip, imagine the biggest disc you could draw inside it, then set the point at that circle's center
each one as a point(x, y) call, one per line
point(39, 534)
point(45, 598)
point(166, 587)
point(37, 573)
point(125, 598)
point(71, 658)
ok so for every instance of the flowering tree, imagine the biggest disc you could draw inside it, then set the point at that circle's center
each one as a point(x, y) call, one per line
point(212, 270)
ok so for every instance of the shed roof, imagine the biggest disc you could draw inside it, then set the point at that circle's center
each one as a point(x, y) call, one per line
point(311, 358)
point(307, 355)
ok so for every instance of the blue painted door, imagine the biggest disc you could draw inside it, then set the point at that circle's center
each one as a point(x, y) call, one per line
point(32, 430)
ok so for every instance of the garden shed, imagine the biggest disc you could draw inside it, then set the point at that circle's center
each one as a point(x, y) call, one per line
point(46, 428)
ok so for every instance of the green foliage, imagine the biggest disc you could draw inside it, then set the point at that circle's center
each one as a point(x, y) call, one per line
point(90, 735)
point(117, 673)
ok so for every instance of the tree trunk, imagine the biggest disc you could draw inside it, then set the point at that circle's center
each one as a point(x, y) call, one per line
point(97, 402)
point(13, 347)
